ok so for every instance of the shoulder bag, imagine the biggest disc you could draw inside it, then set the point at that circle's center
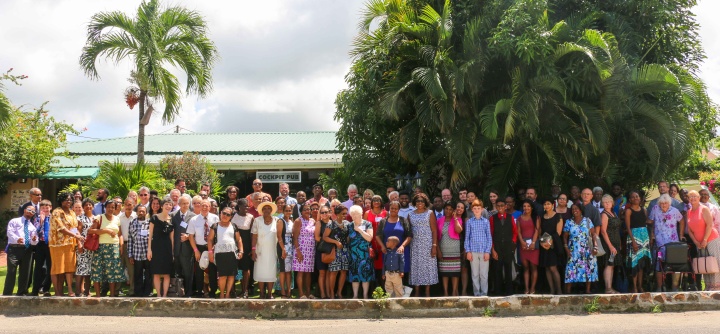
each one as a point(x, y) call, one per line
point(705, 264)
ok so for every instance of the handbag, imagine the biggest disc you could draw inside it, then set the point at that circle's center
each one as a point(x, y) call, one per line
point(600, 248)
point(705, 264)
point(545, 241)
point(325, 247)
point(92, 242)
point(328, 258)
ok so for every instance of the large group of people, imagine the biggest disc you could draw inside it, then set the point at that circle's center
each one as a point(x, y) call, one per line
point(405, 242)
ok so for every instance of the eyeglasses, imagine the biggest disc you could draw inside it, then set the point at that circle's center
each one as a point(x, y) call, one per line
point(257, 184)
point(232, 192)
point(203, 195)
point(324, 212)
point(315, 209)
point(143, 195)
point(226, 214)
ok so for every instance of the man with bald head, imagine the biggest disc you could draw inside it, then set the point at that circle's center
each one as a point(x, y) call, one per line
point(257, 188)
point(446, 195)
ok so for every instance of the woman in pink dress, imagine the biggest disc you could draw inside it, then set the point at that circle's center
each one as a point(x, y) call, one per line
point(304, 242)
point(528, 235)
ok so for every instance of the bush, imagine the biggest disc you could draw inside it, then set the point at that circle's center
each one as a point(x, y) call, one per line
point(119, 179)
point(194, 169)
point(710, 180)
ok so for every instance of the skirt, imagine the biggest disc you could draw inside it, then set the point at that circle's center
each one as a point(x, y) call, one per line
point(712, 281)
point(63, 259)
point(84, 263)
point(246, 262)
point(319, 265)
point(226, 264)
point(342, 260)
point(637, 261)
point(449, 265)
point(106, 265)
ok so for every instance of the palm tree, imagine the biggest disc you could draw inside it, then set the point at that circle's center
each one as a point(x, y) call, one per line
point(155, 38)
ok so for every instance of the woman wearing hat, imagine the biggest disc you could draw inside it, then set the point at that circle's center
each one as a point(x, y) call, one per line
point(265, 240)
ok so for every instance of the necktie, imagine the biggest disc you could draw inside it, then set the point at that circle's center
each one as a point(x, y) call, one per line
point(27, 234)
point(207, 230)
point(182, 217)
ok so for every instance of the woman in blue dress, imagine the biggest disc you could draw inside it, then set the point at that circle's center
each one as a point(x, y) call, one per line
point(361, 265)
point(581, 250)
point(423, 262)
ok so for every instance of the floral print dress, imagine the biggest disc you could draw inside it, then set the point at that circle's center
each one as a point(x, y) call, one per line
point(84, 259)
point(582, 265)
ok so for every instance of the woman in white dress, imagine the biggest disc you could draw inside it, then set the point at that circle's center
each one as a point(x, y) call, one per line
point(265, 240)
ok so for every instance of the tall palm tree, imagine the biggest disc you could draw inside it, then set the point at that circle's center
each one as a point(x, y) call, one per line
point(155, 38)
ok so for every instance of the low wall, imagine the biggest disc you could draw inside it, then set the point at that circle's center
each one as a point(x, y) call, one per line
point(363, 309)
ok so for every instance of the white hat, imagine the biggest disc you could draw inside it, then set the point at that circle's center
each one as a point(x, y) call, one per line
point(263, 204)
point(204, 260)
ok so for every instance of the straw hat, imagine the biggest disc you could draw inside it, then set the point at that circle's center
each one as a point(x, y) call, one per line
point(263, 204)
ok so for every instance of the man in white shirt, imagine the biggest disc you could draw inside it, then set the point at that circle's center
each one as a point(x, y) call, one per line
point(21, 234)
point(597, 198)
point(352, 190)
point(198, 230)
point(126, 217)
point(405, 207)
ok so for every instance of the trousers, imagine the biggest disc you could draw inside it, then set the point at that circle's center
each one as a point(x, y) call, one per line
point(393, 284)
point(199, 275)
point(142, 279)
point(41, 272)
point(19, 259)
point(479, 269)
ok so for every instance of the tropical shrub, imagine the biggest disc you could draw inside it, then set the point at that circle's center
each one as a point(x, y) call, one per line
point(194, 169)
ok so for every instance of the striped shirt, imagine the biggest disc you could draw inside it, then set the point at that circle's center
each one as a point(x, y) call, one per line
point(477, 235)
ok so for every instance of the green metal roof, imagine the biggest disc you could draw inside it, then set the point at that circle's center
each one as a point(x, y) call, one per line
point(72, 173)
point(225, 151)
point(248, 142)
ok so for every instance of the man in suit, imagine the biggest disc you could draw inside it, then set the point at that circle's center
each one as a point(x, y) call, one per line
point(184, 257)
point(35, 198)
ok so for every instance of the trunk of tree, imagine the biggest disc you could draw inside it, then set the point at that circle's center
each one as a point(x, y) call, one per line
point(141, 128)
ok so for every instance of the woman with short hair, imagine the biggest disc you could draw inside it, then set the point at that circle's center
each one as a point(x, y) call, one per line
point(64, 237)
point(638, 240)
point(83, 210)
point(666, 221)
point(581, 250)
point(243, 220)
point(285, 264)
point(449, 228)
point(361, 266)
point(610, 231)
point(106, 264)
point(304, 244)
point(338, 233)
point(704, 236)
point(225, 249)
point(423, 262)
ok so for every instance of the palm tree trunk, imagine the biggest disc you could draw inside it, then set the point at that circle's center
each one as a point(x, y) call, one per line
point(141, 128)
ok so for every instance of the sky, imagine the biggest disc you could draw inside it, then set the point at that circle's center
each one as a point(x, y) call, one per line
point(282, 64)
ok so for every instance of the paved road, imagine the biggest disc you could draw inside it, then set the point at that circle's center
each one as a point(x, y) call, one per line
point(690, 322)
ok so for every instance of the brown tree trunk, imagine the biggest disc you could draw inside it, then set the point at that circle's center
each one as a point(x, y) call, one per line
point(141, 128)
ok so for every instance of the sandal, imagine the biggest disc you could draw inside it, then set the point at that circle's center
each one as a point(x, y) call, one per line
point(245, 295)
point(302, 297)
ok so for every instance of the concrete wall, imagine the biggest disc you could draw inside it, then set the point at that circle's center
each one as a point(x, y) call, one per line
point(362, 309)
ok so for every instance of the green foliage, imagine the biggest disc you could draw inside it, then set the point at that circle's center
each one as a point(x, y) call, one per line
point(119, 179)
point(381, 298)
point(29, 143)
point(83, 186)
point(656, 309)
point(5, 105)
point(593, 306)
point(157, 37)
point(194, 169)
point(489, 312)
point(364, 173)
point(497, 94)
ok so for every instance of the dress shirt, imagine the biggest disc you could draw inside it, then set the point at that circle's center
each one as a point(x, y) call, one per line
point(405, 211)
point(477, 235)
point(393, 261)
point(99, 208)
point(439, 214)
point(598, 205)
point(196, 227)
point(139, 232)
point(290, 200)
point(125, 223)
point(16, 230)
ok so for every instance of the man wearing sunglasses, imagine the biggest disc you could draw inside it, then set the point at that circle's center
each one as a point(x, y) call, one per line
point(257, 188)
point(35, 198)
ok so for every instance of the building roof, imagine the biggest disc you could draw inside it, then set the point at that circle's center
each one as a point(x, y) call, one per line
point(225, 151)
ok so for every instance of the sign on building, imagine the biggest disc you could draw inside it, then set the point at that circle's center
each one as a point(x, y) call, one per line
point(279, 177)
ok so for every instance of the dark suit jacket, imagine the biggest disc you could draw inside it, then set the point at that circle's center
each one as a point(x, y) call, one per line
point(181, 248)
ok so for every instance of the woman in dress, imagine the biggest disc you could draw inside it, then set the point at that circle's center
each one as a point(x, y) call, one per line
point(337, 234)
point(304, 244)
point(320, 226)
point(552, 224)
point(423, 262)
point(83, 210)
point(243, 220)
point(225, 250)
point(610, 232)
point(375, 213)
point(449, 228)
point(529, 255)
point(106, 264)
point(580, 249)
point(160, 246)
point(285, 264)
point(562, 207)
point(461, 213)
point(666, 221)
point(638, 241)
point(64, 238)
point(266, 239)
point(361, 267)
point(704, 236)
